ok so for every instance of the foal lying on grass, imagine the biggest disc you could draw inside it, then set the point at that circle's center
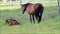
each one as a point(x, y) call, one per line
point(12, 22)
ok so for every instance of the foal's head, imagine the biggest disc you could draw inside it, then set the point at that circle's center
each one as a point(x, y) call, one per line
point(24, 7)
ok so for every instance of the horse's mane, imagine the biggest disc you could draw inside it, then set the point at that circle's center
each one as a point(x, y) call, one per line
point(27, 4)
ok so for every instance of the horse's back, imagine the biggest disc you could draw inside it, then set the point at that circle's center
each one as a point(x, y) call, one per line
point(32, 7)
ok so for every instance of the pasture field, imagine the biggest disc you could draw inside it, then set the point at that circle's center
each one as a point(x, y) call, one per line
point(50, 23)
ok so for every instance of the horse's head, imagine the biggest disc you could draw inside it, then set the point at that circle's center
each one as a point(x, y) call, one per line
point(24, 7)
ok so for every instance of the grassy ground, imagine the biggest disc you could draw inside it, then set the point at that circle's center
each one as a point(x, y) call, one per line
point(50, 23)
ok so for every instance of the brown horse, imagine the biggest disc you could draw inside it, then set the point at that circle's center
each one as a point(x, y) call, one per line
point(34, 10)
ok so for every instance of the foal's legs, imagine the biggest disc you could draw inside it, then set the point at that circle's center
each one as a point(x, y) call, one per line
point(33, 19)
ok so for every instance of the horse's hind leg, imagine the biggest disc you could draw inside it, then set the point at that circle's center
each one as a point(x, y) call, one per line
point(40, 17)
point(33, 19)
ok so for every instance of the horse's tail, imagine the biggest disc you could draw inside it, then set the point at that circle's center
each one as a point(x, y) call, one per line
point(38, 12)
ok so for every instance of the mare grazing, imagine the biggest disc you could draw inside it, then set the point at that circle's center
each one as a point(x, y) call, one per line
point(34, 10)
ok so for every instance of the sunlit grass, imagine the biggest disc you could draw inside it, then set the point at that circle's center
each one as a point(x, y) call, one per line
point(51, 26)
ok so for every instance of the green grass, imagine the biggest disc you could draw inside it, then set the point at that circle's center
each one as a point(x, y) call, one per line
point(50, 23)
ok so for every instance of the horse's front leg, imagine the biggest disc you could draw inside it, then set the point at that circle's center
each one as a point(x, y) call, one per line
point(31, 19)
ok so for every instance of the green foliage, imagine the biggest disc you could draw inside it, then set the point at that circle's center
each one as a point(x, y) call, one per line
point(0, 0)
point(8, 0)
